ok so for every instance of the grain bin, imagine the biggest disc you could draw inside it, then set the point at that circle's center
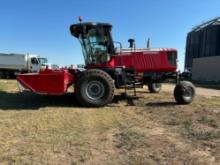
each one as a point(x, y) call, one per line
point(203, 41)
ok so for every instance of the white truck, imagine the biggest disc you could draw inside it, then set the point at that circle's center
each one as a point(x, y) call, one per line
point(11, 64)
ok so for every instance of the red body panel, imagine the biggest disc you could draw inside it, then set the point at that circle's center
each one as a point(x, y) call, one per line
point(141, 61)
point(47, 81)
point(145, 61)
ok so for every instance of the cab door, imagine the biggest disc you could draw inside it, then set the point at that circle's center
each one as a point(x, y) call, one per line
point(34, 65)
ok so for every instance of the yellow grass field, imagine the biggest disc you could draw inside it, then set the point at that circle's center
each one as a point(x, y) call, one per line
point(55, 130)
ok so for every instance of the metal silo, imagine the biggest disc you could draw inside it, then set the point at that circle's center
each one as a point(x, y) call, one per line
point(203, 41)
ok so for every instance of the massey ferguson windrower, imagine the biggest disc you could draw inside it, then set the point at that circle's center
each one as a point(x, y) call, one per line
point(109, 66)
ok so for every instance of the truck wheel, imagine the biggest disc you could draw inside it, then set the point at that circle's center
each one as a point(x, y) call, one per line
point(184, 92)
point(94, 88)
point(154, 87)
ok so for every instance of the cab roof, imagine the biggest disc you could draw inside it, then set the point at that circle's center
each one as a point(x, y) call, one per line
point(78, 28)
point(92, 24)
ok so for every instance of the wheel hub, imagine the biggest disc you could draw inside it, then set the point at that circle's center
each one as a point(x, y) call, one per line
point(187, 92)
point(157, 85)
point(95, 90)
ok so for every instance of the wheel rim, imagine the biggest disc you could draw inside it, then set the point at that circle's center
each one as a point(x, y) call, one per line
point(187, 93)
point(95, 90)
point(157, 85)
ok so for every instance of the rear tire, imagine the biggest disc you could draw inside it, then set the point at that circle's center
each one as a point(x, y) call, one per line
point(154, 87)
point(184, 92)
point(94, 88)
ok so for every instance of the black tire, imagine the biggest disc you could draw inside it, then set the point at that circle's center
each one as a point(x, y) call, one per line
point(154, 87)
point(94, 88)
point(184, 92)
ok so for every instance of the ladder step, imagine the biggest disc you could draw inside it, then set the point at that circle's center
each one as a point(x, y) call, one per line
point(130, 80)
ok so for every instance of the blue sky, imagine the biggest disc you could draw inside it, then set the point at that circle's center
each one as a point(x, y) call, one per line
point(42, 26)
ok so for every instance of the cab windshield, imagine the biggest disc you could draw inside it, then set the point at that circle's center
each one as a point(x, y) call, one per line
point(42, 60)
point(96, 45)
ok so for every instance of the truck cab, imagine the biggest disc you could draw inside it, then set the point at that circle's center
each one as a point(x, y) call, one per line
point(35, 63)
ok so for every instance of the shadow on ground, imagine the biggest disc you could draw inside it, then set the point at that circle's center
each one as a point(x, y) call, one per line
point(31, 101)
point(124, 97)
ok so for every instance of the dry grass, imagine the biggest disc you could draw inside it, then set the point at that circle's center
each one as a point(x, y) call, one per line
point(55, 130)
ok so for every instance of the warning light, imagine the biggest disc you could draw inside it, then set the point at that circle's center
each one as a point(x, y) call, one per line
point(80, 19)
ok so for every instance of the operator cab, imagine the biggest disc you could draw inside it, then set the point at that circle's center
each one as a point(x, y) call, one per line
point(96, 41)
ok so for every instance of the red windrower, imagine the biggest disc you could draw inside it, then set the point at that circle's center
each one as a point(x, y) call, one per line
point(108, 68)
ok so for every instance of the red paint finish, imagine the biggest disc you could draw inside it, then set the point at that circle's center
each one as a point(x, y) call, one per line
point(146, 61)
point(143, 61)
point(52, 82)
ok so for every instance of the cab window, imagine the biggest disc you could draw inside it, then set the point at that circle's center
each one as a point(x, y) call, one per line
point(34, 61)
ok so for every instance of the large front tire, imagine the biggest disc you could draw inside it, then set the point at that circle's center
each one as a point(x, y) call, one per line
point(184, 92)
point(94, 88)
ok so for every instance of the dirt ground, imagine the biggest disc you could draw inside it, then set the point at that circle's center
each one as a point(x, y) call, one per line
point(38, 129)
